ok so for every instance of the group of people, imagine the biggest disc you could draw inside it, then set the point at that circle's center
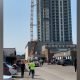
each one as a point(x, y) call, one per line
point(31, 66)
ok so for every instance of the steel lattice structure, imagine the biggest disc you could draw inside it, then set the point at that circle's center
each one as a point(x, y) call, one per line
point(31, 20)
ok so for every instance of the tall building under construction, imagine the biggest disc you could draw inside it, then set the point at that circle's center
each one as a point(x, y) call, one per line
point(54, 21)
point(54, 29)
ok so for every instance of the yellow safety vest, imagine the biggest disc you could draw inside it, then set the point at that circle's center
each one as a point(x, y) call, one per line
point(32, 66)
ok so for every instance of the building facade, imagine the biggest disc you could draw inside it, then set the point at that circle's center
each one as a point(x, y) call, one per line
point(54, 21)
point(9, 55)
point(33, 49)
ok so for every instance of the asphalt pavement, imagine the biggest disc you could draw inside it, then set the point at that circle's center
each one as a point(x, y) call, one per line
point(51, 72)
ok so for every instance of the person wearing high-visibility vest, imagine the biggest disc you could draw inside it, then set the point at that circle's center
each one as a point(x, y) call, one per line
point(29, 68)
point(32, 68)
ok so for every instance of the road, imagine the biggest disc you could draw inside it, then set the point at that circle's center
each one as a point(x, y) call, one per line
point(52, 72)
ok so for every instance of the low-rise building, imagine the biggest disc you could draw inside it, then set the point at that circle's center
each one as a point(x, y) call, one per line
point(50, 50)
point(71, 54)
point(9, 55)
point(33, 49)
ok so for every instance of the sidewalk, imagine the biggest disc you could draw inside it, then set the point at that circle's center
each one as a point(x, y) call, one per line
point(50, 72)
point(27, 77)
point(18, 77)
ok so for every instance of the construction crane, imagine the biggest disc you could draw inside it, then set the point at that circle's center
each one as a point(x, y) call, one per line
point(31, 19)
point(33, 43)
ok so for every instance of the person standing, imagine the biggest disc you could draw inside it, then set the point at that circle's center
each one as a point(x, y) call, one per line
point(32, 68)
point(22, 68)
point(75, 64)
point(29, 67)
point(41, 62)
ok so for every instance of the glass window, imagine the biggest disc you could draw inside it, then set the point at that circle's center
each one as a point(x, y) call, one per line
point(61, 21)
point(61, 15)
point(70, 57)
point(60, 57)
point(56, 1)
point(60, 9)
point(57, 11)
point(52, 1)
point(57, 14)
point(60, 3)
point(57, 17)
point(57, 7)
point(56, 4)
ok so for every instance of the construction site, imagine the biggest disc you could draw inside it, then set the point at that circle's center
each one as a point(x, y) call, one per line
point(48, 44)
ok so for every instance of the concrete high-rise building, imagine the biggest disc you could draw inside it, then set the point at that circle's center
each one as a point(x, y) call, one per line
point(54, 21)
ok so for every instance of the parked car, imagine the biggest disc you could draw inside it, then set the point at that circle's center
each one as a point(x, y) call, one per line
point(59, 62)
point(37, 64)
point(53, 61)
point(67, 62)
point(7, 77)
point(10, 69)
point(6, 69)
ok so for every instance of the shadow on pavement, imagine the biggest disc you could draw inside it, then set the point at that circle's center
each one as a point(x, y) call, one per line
point(27, 77)
point(20, 77)
point(19, 69)
point(39, 79)
point(37, 75)
point(16, 76)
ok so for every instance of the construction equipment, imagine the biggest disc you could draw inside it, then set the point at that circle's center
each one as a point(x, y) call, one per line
point(31, 19)
point(33, 43)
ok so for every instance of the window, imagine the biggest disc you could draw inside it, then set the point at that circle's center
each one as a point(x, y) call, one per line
point(60, 3)
point(57, 14)
point(53, 14)
point(60, 9)
point(57, 17)
point(53, 22)
point(60, 57)
point(57, 8)
point(52, 1)
point(65, 1)
point(61, 15)
point(53, 17)
point(61, 28)
point(65, 7)
point(57, 20)
point(57, 11)
point(61, 21)
point(65, 10)
point(57, 38)
point(56, 4)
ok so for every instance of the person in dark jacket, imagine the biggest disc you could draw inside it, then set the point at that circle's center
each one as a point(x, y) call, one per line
point(75, 64)
point(22, 68)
